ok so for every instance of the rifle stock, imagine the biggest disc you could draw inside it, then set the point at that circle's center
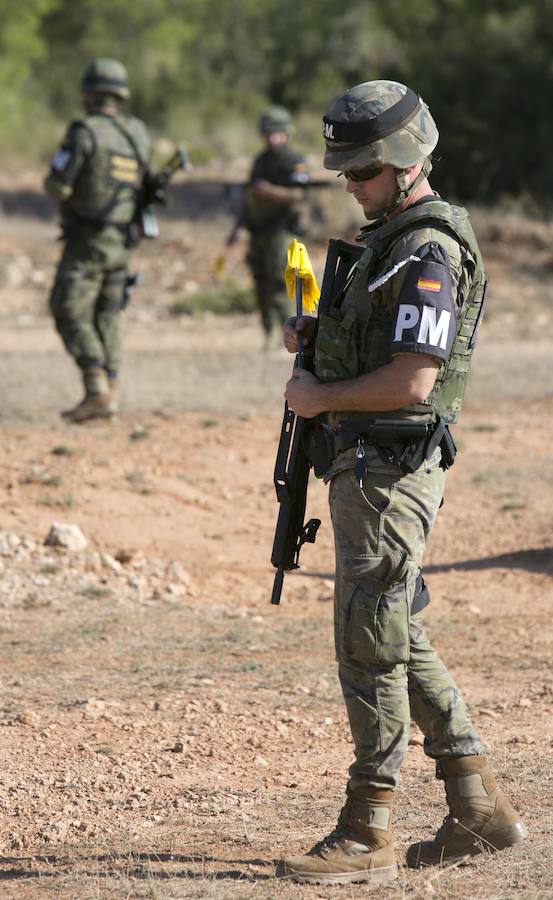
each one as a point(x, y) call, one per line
point(292, 466)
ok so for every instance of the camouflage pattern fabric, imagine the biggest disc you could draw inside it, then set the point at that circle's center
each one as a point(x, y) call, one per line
point(387, 668)
point(267, 261)
point(96, 175)
point(409, 143)
point(87, 296)
point(272, 226)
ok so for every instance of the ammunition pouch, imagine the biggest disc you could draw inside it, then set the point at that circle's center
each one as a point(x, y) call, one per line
point(401, 443)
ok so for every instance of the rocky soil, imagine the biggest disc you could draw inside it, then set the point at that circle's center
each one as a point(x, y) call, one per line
point(164, 731)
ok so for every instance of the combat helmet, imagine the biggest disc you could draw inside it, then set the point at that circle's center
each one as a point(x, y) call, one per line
point(275, 118)
point(106, 76)
point(380, 123)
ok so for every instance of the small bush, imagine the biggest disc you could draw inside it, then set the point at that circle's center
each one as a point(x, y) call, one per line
point(63, 450)
point(227, 297)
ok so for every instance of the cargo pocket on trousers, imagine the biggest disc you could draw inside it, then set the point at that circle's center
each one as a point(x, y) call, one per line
point(377, 628)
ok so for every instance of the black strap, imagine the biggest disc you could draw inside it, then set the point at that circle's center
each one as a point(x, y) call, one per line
point(375, 128)
point(90, 83)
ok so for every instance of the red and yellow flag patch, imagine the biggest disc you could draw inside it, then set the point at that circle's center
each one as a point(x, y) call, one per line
point(428, 284)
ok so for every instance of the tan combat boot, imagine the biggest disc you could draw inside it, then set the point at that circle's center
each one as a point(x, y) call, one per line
point(97, 402)
point(359, 849)
point(480, 820)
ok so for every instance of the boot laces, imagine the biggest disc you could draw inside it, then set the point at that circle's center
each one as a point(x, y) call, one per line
point(446, 826)
point(329, 842)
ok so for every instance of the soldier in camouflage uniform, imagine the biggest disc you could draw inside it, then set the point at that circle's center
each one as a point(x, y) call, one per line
point(395, 349)
point(271, 214)
point(95, 176)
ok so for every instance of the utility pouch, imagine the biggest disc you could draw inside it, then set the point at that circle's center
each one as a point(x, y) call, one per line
point(132, 236)
point(336, 353)
point(319, 447)
point(416, 452)
point(413, 456)
point(448, 448)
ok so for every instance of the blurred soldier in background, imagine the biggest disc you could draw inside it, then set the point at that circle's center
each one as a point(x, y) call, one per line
point(271, 214)
point(392, 355)
point(96, 176)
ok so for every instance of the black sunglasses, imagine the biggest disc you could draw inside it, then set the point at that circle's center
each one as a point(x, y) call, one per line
point(366, 174)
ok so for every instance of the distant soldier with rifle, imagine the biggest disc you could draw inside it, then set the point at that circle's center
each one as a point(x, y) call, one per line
point(101, 176)
point(392, 348)
point(270, 212)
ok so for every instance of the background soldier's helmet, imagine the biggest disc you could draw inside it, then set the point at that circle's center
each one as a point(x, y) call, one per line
point(106, 76)
point(378, 123)
point(276, 118)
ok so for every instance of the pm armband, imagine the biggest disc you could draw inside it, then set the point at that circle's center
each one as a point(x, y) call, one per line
point(425, 316)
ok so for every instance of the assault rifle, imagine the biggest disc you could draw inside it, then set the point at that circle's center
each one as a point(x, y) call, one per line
point(152, 194)
point(292, 465)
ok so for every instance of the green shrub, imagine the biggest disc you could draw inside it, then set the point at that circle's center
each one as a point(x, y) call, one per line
point(227, 297)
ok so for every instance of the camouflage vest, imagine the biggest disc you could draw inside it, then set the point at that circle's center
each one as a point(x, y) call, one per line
point(277, 166)
point(354, 335)
point(106, 189)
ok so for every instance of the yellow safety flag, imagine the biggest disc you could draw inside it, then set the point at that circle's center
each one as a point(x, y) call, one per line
point(299, 267)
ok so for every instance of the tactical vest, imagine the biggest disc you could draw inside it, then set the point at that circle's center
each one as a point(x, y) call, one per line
point(106, 189)
point(354, 335)
point(259, 213)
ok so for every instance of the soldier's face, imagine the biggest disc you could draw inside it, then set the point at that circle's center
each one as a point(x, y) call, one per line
point(276, 138)
point(376, 193)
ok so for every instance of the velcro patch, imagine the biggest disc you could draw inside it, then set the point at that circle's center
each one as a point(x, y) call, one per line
point(124, 169)
point(60, 159)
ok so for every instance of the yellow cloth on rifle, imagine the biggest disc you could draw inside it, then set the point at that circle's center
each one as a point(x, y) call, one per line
point(299, 264)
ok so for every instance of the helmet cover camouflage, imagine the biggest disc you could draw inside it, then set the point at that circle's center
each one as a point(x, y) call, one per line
point(378, 123)
point(106, 76)
point(275, 118)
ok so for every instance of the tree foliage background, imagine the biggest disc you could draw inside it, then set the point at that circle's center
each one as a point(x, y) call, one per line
point(201, 70)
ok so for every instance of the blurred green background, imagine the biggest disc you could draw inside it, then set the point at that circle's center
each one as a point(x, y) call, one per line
point(201, 71)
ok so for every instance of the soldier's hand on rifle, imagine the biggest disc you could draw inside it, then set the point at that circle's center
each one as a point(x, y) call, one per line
point(303, 393)
point(294, 326)
point(276, 193)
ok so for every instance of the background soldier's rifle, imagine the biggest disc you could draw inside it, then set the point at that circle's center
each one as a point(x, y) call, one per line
point(292, 465)
point(152, 194)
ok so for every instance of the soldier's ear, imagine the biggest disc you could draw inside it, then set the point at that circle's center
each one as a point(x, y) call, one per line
point(411, 172)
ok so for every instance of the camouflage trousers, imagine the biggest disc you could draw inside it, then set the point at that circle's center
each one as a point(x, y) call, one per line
point(86, 298)
point(267, 261)
point(388, 670)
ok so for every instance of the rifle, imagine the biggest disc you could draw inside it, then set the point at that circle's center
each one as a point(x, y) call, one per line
point(292, 464)
point(152, 193)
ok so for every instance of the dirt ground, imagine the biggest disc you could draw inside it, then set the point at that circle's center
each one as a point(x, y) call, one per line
point(164, 731)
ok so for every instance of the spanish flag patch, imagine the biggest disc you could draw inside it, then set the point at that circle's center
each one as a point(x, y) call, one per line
point(428, 284)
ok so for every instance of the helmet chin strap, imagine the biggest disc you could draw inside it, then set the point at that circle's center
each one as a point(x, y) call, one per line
point(403, 190)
